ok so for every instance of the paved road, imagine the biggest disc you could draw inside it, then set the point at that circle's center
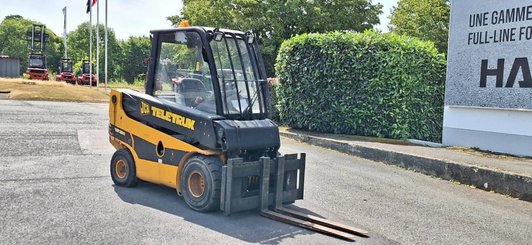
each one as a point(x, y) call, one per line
point(55, 189)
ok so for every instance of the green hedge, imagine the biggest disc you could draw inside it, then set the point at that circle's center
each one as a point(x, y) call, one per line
point(370, 84)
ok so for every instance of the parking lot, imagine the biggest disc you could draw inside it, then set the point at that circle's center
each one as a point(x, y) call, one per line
point(55, 188)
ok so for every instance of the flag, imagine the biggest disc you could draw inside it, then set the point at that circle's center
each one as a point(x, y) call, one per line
point(89, 5)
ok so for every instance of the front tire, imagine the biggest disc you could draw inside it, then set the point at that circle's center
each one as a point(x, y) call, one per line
point(123, 171)
point(201, 183)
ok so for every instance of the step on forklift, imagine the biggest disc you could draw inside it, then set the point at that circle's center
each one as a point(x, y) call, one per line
point(85, 77)
point(65, 72)
point(202, 128)
point(37, 67)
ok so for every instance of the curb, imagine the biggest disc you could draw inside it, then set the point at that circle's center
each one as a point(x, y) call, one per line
point(511, 184)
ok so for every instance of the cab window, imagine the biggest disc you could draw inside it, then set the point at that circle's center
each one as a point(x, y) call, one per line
point(182, 72)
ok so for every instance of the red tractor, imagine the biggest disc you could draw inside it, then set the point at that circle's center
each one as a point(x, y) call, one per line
point(37, 67)
point(65, 72)
point(86, 77)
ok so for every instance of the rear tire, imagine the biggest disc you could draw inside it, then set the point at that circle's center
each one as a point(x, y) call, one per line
point(201, 182)
point(123, 171)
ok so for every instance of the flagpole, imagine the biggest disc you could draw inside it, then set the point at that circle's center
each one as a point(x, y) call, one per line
point(65, 30)
point(97, 44)
point(90, 44)
point(106, 45)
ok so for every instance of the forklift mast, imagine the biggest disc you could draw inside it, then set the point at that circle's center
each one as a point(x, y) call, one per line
point(37, 39)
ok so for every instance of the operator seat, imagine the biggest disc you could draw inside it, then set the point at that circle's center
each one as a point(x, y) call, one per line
point(192, 88)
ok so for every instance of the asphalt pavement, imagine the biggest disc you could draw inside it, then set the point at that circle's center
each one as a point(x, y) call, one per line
point(504, 174)
point(55, 188)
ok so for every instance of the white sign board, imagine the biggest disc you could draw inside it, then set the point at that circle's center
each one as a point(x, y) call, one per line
point(489, 78)
point(490, 54)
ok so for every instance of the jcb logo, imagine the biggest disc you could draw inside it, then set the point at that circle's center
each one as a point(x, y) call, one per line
point(144, 108)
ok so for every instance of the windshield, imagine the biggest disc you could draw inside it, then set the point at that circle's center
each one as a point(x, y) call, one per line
point(240, 83)
point(66, 67)
point(182, 72)
point(36, 62)
point(86, 68)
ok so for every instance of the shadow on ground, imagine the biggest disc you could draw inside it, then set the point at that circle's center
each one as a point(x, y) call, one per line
point(247, 226)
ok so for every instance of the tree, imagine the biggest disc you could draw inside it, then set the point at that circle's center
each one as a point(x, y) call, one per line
point(13, 42)
point(135, 50)
point(276, 20)
point(78, 49)
point(424, 19)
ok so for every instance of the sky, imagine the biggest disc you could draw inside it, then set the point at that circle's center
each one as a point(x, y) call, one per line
point(126, 17)
point(386, 9)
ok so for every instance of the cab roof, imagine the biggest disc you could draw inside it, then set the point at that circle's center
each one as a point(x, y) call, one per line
point(202, 28)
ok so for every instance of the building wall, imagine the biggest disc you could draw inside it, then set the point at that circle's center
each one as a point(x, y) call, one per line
point(9, 67)
point(498, 130)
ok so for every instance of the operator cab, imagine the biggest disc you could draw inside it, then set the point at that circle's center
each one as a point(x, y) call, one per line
point(37, 61)
point(85, 68)
point(65, 66)
point(218, 72)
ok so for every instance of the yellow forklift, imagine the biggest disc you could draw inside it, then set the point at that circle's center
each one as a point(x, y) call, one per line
point(202, 128)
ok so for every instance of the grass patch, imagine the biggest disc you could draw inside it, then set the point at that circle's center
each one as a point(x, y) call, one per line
point(22, 89)
point(137, 85)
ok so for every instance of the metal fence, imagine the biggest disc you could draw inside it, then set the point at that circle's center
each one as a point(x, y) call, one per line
point(9, 67)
